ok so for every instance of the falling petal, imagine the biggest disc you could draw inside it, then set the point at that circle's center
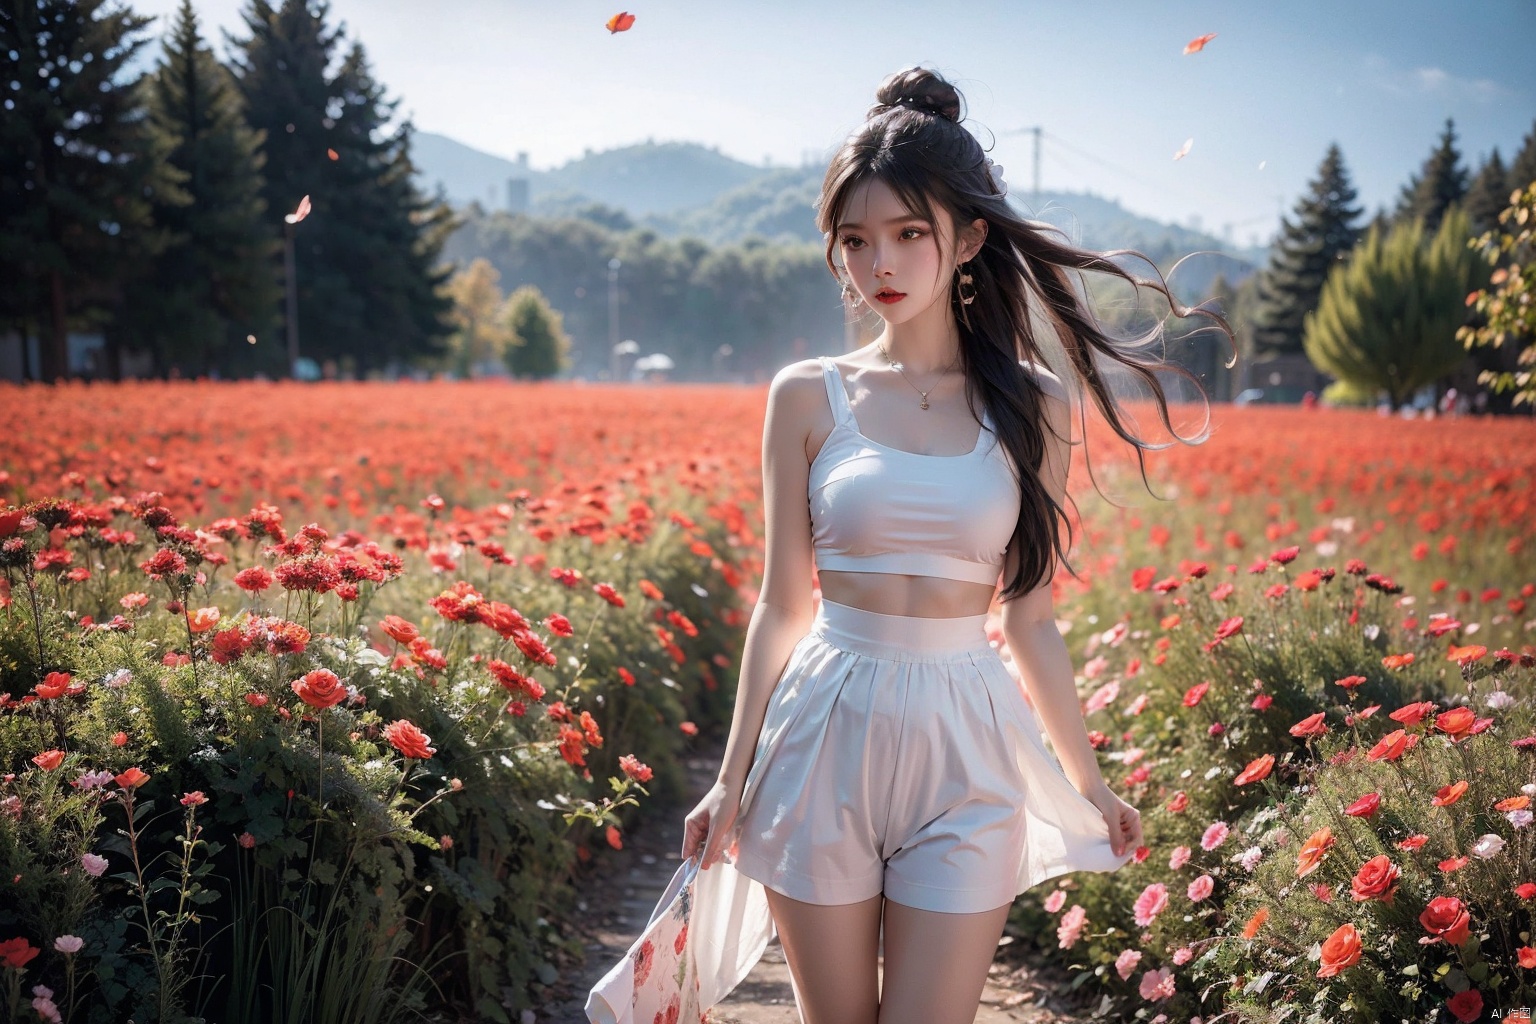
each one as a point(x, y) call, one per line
point(621, 21)
point(300, 213)
point(250, 339)
point(1184, 149)
point(333, 154)
point(1198, 43)
point(1262, 163)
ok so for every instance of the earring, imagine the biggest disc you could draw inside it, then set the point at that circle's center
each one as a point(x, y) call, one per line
point(849, 297)
point(965, 279)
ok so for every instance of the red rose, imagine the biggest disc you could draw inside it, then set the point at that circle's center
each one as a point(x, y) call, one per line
point(1340, 950)
point(1445, 918)
point(409, 740)
point(320, 688)
point(17, 953)
point(1376, 879)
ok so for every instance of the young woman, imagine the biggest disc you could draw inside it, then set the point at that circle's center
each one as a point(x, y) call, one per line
point(884, 774)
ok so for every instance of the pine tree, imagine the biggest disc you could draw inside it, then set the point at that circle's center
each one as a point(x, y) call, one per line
point(540, 347)
point(1321, 235)
point(1388, 317)
point(1522, 170)
point(216, 282)
point(1440, 182)
point(366, 257)
point(1488, 194)
point(78, 175)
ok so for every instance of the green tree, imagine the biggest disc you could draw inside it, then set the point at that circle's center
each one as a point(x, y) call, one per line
point(1507, 305)
point(1321, 235)
point(1387, 318)
point(1441, 182)
point(1522, 169)
point(367, 273)
point(78, 174)
point(215, 283)
point(479, 318)
point(539, 347)
point(1488, 194)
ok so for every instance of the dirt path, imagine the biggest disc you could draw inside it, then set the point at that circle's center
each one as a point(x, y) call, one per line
point(623, 888)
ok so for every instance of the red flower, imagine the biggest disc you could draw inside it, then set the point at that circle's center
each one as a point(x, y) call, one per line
point(409, 740)
point(1364, 807)
point(1457, 722)
point(1349, 682)
point(1194, 693)
point(1257, 769)
point(1467, 1005)
point(1412, 714)
point(133, 778)
point(1446, 919)
point(194, 799)
point(320, 688)
point(53, 685)
point(1312, 725)
point(1449, 794)
point(254, 580)
point(1413, 842)
point(1397, 660)
point(48, 760)
point(1376, 879)
point(401, 630)
point(17, 953)
point(634, 768)
point(1392, 746)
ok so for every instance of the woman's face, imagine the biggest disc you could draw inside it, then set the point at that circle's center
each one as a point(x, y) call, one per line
point(898, 264)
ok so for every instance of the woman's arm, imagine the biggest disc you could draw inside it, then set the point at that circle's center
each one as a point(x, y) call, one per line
point(1029, 621)
point(784, 610)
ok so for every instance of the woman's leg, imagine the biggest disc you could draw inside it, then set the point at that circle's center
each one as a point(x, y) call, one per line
point(936, 964)
point(831, 952)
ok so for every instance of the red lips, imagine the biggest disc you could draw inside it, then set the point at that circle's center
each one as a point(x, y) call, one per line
point(887, 295)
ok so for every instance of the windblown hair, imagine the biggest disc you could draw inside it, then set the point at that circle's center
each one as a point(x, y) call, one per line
point(913, 141)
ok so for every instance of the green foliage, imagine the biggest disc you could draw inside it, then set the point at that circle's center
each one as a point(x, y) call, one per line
point(1342, 393)
point(78, 175)
point(481, 335)
point(1310, 246)
point(539, 347)
point(1440, 184)
point(1387, 318)
point(214, 284)
point(1508, 306)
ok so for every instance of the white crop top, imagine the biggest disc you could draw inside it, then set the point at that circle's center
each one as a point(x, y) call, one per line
point(881, 509)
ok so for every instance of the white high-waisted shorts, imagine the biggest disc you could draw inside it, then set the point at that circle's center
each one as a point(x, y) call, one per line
point(899, 755)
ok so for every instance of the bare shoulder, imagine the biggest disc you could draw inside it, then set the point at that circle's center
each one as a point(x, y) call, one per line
point(797, 388)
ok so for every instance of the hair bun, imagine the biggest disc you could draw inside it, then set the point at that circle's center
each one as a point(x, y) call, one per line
point(919, 89)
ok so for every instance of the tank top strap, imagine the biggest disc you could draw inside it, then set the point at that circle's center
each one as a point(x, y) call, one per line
point(837, 395)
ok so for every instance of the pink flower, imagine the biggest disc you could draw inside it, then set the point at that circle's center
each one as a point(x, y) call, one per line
point(68, 943)
point(1054, 901)
point(1200, 888)
point(1151, 902)
point(1071, 926)
point(1214, 836)
point(1183, 955)
point(246, 840)
point(1179, 859)
point(93, 865)
point(1157, 985)
point(1126, 962)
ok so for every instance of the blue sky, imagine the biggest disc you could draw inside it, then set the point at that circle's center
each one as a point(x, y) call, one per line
point(1107, 81)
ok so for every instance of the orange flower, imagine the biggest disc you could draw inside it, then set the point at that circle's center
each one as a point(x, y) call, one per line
point(1365, 806)
point(131, 779)
point(1312, 851)
point(1514, 803)
point(1456, 722)
point(1340, 950)
point(1449, 794)
point(1413, 714)
point(1257, 769)
point(1527, 957)
point(1466, 655)
point(409, 740)
point(1397, 660)
point(1312, 725)
point(401, 630)
point(204, 619)
point(320, 688)
point(1452, 864)
point(1376, 879)
point(48, 760)
point(1392, 746)
point(1255, 922)
point(53, 685)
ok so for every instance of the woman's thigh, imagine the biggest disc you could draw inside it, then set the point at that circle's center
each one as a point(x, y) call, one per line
point(936, 963)
point(831, 950)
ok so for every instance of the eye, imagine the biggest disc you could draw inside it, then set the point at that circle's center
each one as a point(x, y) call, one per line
point(848, 240)
point(919, 233)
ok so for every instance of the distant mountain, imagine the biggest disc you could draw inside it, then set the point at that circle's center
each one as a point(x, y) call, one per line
point(683, 188)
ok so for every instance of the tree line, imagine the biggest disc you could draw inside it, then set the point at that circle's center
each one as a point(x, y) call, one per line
point(1383, 305)
point(152, 207)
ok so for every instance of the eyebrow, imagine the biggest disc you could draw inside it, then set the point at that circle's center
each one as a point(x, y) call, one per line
point(893, 220)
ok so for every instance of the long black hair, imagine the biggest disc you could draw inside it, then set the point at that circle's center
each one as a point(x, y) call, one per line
point(913, 141)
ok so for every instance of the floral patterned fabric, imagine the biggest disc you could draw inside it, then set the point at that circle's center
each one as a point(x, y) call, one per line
point(708, 930)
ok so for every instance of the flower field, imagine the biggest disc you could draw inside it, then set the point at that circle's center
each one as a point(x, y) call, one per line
point(314, 698)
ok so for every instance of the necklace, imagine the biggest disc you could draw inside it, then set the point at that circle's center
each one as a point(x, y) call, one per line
point(897, 366)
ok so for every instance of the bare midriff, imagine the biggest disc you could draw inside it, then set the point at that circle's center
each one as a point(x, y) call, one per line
point(897, 594)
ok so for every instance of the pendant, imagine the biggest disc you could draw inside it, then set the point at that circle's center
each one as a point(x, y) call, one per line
point(925, 402)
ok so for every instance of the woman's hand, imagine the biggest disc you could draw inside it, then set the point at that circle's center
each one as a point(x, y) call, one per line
point(710, 822)
point(1124, 821)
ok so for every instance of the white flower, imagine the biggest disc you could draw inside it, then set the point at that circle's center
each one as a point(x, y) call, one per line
point(94, 865)
point(68, 943)
point(1327, 548)
point(1250, 858)
point(1488, 845)
point(118, 679)
point(1498, 700)
point(1519, 818)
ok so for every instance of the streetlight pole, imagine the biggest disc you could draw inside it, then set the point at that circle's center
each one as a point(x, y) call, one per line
point(613, 303)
